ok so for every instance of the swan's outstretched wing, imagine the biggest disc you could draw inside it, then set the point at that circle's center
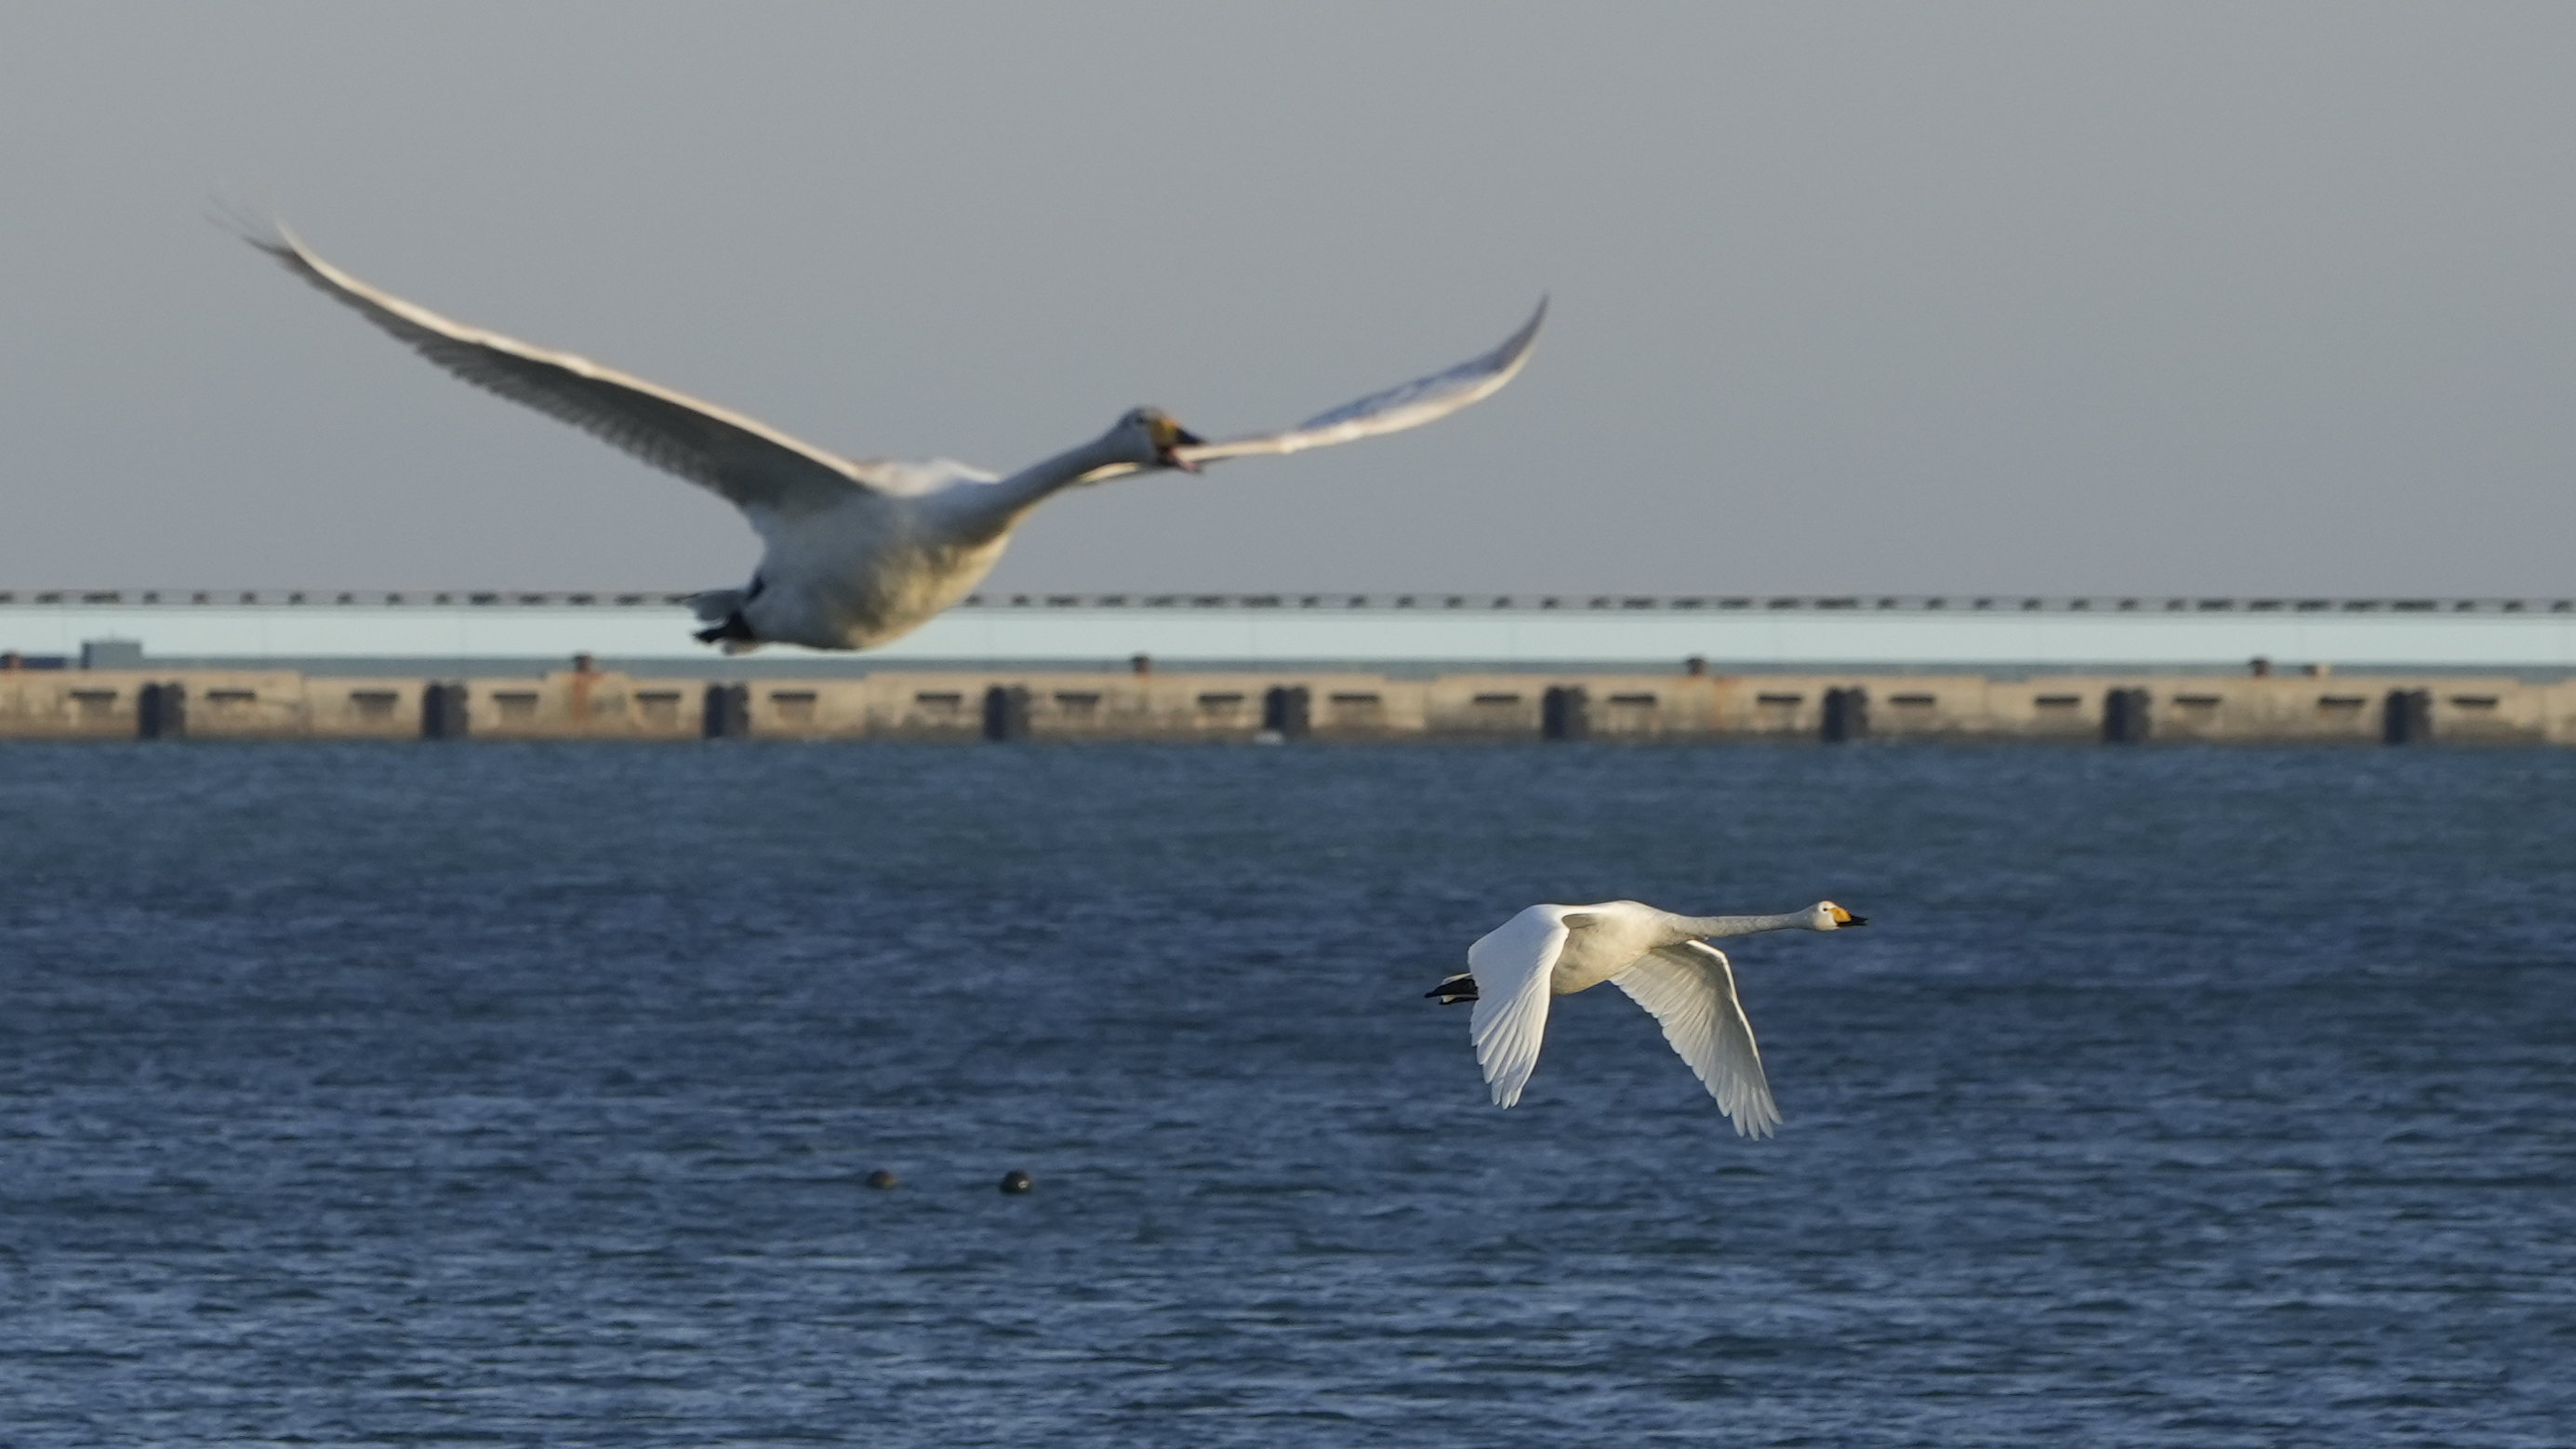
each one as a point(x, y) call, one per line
point(1690, 989)
point(1512, 965)
point(761, 470)
point(1410, 406)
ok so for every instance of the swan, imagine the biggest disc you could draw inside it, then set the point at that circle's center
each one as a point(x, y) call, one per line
point(857, 552)
point(1660, 959)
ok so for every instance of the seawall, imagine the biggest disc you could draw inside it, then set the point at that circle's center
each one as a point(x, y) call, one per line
point(321, 633)
point(965, 704)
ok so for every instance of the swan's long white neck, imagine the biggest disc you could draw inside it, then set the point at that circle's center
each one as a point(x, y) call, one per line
point(1702, 927)
point(1035, 483)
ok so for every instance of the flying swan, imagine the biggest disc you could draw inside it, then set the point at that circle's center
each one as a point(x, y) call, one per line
point(1660, 959)
point(857, 552)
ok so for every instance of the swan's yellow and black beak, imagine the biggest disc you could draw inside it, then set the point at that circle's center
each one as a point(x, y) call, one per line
point(1458, 988)
point(1844, 918)
point(1168, 436)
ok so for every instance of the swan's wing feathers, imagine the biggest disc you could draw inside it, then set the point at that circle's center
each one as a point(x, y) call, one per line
point(759, 469)
point(1512, 965)
point(1690, 990)
point(1410, 406)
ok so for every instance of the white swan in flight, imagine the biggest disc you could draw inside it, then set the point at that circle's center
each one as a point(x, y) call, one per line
point(858, 552)
point(1660, 959)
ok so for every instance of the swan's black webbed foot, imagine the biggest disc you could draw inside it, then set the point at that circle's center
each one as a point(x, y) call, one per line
point(1458, 988)
point(734, 627)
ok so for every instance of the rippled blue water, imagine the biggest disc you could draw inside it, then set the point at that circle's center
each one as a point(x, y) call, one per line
point(513, 1095)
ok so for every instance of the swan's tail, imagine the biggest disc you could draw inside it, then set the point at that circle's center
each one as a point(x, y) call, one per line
point(1458, 988)
point(721, 610)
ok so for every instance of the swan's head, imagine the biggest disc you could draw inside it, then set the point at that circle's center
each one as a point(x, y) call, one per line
point(1826, 916)
point(1155, 438)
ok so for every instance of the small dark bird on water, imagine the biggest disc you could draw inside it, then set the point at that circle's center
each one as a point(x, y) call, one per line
point(1015, 1181)
point(883, 1179)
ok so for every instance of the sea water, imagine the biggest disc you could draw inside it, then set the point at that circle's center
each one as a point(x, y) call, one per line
point(497, 1094)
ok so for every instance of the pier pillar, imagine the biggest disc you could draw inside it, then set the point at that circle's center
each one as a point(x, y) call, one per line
point(161, 712)
point(1288, 711)
point(2124, 717)
point(1846, 715)
point(1006, 712)
point(442, 712)
point(728, 712)
point(1565, 713)
point(2407, 717)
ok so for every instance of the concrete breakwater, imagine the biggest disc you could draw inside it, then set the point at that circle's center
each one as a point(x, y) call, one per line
point(1673, 706)
point(447, 635)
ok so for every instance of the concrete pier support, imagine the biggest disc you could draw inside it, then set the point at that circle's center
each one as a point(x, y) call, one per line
point(726, 713)
point(161, 711)
point(442, 712)
point(1288, 711)
point(2406, 717)
point(1006, 712)
point(1846, 715)
point(2125, 720)
point(1565, 713)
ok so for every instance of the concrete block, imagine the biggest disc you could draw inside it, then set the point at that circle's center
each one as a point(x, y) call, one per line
point(161, 711)
point(2126, 719)
point(725, 713)
point(443, 711)
point(1565, 713)
point(1006, 712)
point(1287, 710)
point(1846, 715)
point(2406, 717)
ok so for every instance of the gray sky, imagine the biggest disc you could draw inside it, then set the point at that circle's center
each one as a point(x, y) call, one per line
point(2207, 299)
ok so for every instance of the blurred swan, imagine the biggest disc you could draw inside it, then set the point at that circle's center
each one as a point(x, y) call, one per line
point(858, 552)
point(1658, 958)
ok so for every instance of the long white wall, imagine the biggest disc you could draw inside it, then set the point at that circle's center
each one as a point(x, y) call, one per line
point(2538, 636)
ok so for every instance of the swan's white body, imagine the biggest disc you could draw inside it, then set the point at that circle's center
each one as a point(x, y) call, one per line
point(859, 552)
point(1660, 959)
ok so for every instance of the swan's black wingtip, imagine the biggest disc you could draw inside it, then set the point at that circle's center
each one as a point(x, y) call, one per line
point(257, 225)
point(1516, 347)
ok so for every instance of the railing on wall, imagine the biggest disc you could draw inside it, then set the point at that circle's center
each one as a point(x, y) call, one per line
point(1828, 603)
